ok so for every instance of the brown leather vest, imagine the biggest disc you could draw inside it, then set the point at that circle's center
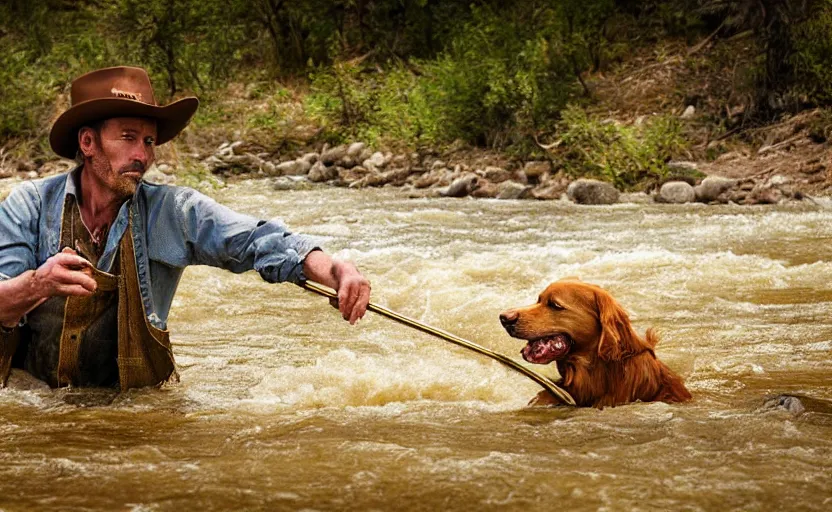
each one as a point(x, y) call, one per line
point(144, 354)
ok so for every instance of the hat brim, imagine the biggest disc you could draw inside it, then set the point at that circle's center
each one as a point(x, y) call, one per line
point(170, 119)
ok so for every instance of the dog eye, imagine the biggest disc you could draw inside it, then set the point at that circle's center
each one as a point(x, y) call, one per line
point(555, 305)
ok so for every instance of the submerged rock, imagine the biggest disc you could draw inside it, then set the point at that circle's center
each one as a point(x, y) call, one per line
point(788, 403)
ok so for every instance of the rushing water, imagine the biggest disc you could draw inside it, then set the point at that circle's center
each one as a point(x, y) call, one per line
point(283, 405)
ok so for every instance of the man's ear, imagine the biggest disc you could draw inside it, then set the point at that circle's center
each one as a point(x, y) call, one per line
point(87, 141)
point(618, 339)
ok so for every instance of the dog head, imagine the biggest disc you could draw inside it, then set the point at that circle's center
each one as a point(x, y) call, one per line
point(573, 319)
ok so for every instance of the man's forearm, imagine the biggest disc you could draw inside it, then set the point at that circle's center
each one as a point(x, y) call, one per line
point(319, 267)
point(18, 296)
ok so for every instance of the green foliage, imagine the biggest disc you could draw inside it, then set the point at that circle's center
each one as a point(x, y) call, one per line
point(626, 155)
point(378, 107)
point(812, 58)
point(503, 77)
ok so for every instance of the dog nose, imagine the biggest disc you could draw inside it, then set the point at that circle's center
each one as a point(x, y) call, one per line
point(509, 318)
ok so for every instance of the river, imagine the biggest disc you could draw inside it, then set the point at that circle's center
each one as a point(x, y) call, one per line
point(283, 406)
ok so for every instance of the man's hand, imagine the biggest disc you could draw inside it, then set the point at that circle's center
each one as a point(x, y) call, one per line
point(353, 288)
point(64, 274)
point(353, 291)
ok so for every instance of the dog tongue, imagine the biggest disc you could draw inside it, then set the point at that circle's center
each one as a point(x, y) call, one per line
point(544, 351)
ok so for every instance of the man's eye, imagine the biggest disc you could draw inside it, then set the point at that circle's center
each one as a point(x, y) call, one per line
point(127, 136)
point(149, 141)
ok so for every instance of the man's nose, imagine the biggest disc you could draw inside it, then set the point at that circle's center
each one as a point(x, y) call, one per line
point(509, 318)
point(144, 154)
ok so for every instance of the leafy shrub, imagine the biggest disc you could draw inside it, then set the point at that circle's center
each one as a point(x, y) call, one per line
point(812, 58)
point(626, 155)
point(387, 107)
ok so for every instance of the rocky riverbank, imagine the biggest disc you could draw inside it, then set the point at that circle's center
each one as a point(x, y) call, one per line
point(460, 174)
point(425, 174)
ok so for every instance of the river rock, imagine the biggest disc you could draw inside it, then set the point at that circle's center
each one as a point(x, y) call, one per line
point(586, 191)
point(330, 156)
point(237, 147)
point(396, 177)
point(496, 174)
point(460, 187)
point(537, 168)
point(311, 157)
point(512, 190)
point(789, 403)
point(293, 168)
point(319, 172)
point(377, 160)
point(347, 162)
point(713, 189)
point(355, 149)
point(428, 179)
point(775, 190)
point(438, 164)
point(155, 175)
point(548, 191)
point(485, 189)
point(291, 183)
point(676, 192)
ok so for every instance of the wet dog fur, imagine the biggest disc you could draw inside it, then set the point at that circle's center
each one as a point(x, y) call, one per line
point(607, 364)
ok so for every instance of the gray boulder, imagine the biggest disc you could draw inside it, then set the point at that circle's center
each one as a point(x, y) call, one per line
point(293, 168)
point(713, 189)
point(355, 149)
point(330, 156)
point(376, 161)
point(586, 191)
point(512, 190)
point(461, 186)
point(676, 192)
point(319, 172)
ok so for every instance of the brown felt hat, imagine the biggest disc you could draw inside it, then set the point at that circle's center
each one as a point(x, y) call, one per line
point(116, 92)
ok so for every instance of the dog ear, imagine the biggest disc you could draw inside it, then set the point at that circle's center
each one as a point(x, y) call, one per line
point(618, 339)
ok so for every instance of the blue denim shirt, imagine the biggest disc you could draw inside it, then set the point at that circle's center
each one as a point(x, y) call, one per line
point(172, 227)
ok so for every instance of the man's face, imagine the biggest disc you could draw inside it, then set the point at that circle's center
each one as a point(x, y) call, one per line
point(121, 153)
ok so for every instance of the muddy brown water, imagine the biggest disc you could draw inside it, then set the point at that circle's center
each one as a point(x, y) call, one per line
point(282, 405)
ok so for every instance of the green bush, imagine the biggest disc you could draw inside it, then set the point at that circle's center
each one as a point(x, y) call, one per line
point(387, 107)
point(626, 155)
point(812, 58)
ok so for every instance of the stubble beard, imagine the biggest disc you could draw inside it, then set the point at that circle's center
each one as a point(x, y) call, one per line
point(121, 185)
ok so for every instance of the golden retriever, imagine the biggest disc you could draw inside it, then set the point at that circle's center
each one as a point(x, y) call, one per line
point(601, 359)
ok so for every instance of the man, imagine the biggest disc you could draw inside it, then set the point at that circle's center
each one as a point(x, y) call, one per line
point(90, 261)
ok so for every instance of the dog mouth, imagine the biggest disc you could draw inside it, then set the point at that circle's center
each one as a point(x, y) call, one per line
point(547, 349)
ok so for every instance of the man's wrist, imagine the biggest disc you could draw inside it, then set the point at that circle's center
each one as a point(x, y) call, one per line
point(341, 269)
point(35, 285)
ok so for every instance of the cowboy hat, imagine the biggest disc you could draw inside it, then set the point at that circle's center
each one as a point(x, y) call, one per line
point(116, 92)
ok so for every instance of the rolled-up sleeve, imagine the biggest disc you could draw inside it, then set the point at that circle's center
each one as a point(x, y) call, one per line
point(19, 215)
point(218, 236)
